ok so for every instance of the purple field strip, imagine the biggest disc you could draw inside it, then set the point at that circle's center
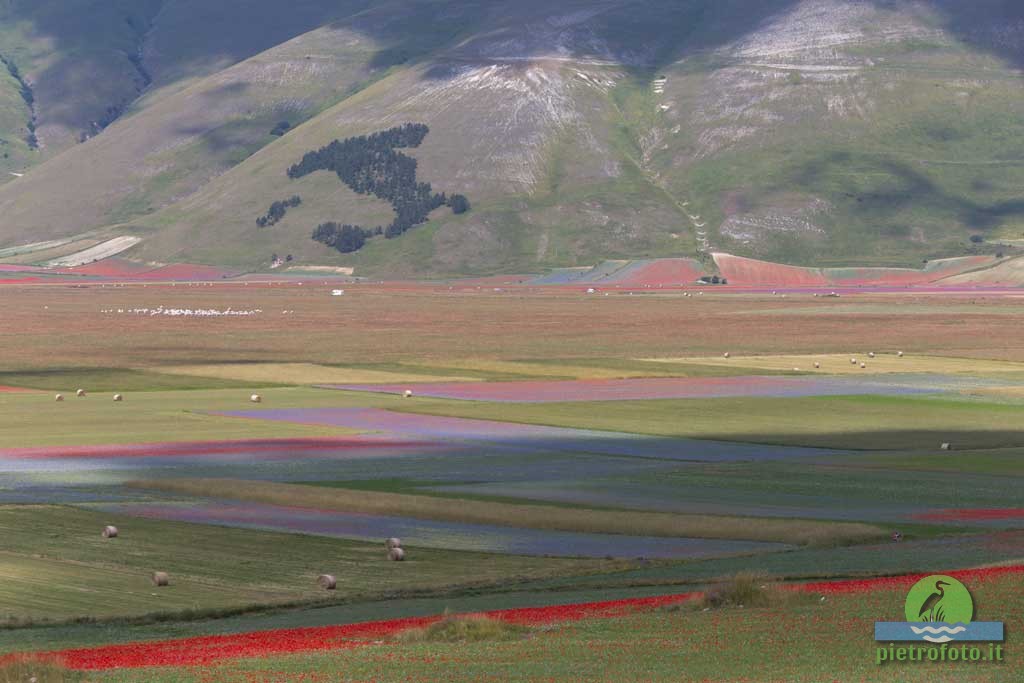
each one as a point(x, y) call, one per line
point(437, 534)
point(553, 391)
point(532, 437)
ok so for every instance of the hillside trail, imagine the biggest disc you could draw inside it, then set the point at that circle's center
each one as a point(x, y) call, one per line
point(704, 248)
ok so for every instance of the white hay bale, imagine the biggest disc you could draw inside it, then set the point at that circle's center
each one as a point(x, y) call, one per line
point(109, 531)
point(396, 555)
point(407, 393)
point(871, 354)
point(58, 397)
point(80, 393)
point(863, 365)
point(393, 543)
point(256, 398)
point(899, 354)
point(118, 398)
point(817, 365)
point(725, 355)
point(947, 446)
point(161, 579)
point(327, 582)
point(853, 361)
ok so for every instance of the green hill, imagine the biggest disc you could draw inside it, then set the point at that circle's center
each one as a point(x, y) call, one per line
point(821, 132)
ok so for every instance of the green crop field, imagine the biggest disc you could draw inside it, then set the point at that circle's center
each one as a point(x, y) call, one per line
point(149, 416)
point(71, 573)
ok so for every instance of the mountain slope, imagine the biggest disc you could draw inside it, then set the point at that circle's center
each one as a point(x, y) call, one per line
point(814, 131)
point(86, 62)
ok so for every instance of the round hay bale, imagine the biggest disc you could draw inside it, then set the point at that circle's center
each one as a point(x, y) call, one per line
point(392, 543)
point(58, 397)
point(118, 398)
point(327, 582)
point(725, 355)
point(407, 393)
point(899, 354)
point(946, 446)
point(161, 579)
point(853, 361)
point(863, 365)
point(256, 398)
point(871, 354)
point(396, 554)
point(80, 393)
point(109, 531)
point(817, 365)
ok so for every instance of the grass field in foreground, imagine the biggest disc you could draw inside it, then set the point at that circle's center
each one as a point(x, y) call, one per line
point(793, 531)
point(830, 640)
point(55, 566)
point(847, 422)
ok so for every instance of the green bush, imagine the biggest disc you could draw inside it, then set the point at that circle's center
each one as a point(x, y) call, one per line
point(746, 589)
point(462, 629)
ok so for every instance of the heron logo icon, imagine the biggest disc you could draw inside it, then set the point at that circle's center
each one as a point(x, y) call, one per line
point(939, 609)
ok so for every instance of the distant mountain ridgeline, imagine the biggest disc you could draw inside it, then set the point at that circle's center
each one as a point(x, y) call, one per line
point(369, 165)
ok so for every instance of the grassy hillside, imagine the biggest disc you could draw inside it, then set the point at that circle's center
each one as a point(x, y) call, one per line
point(810, 131)
point(79, 59)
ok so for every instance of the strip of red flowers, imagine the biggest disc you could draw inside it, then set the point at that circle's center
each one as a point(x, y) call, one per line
point(211, 649)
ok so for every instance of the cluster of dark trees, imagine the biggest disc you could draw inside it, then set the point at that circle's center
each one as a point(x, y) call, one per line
point(112, 113)
point(370, 165)
point(713, 280)
point(344, 238)
point(277, 211)
point(281, 128)
point(25, 90)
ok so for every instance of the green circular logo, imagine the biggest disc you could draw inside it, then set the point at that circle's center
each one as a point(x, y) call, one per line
point(939, 598)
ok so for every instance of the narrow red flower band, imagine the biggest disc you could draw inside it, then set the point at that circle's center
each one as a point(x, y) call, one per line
point(210, 649)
